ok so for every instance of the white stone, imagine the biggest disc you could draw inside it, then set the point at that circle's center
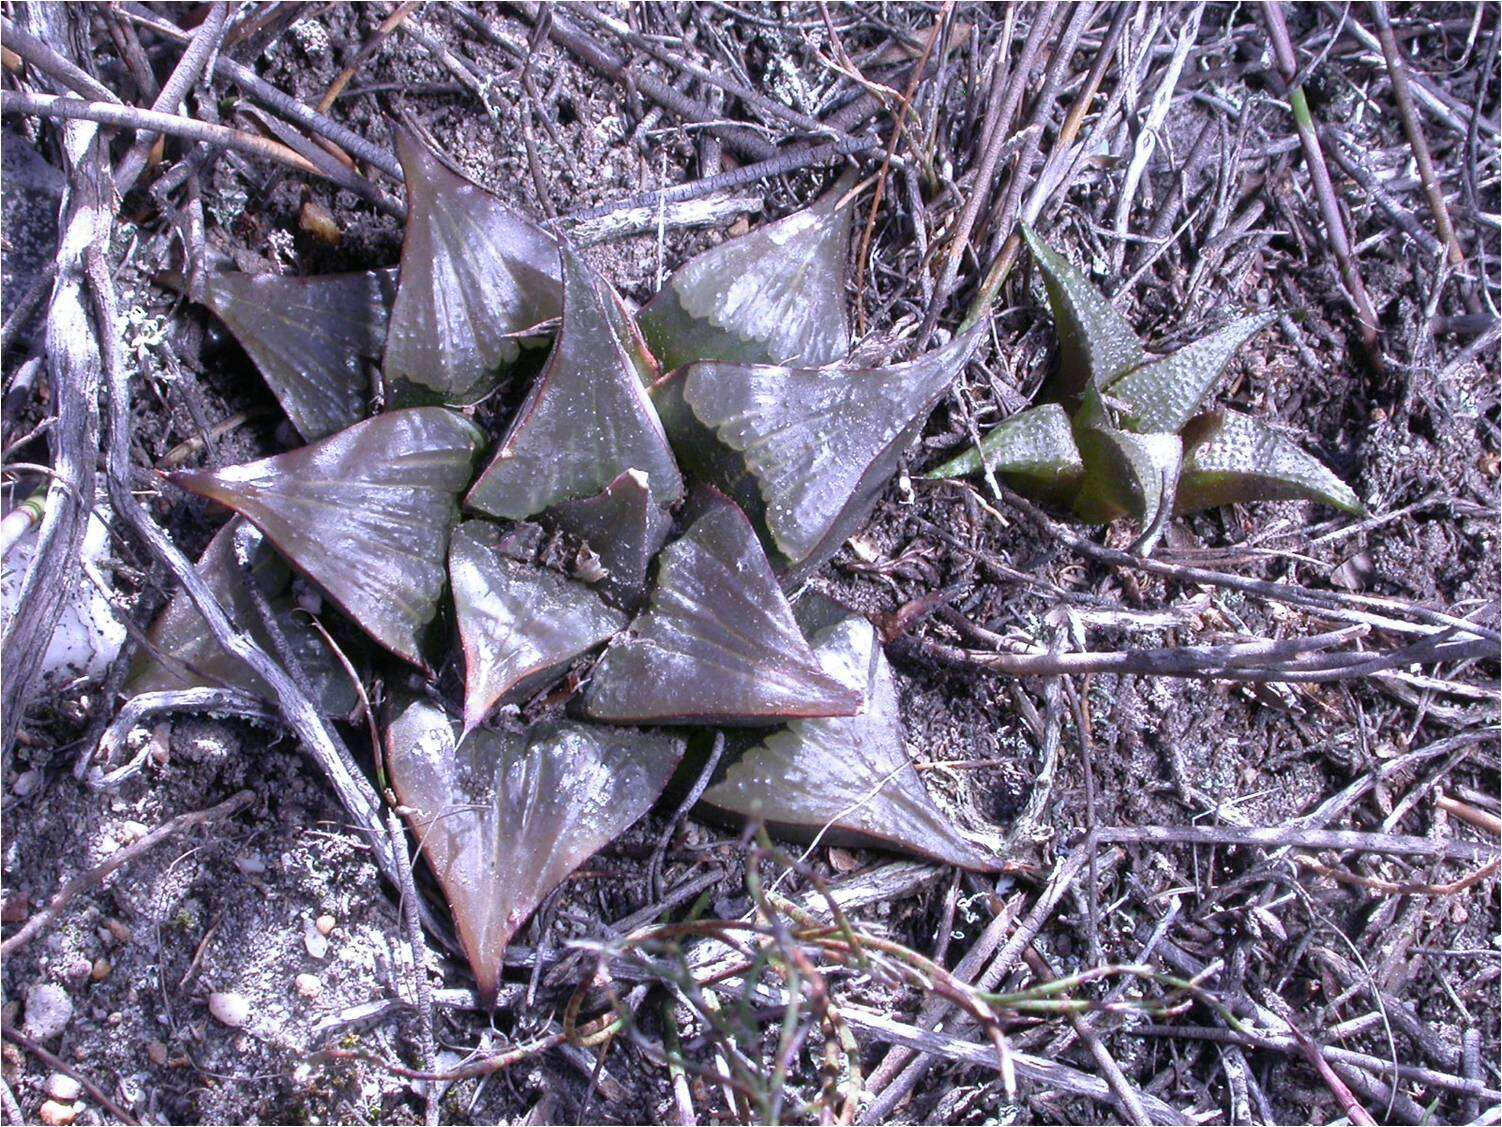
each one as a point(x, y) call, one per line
point(48, 1010)
point(63, 1088)
point(229, 1008)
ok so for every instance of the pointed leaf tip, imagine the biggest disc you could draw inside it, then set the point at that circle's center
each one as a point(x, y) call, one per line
point(519, 625)
point(849, 778)
point(773, 296)
point(312, 339)
point(718, 643)
point(1096, 344)
point(1162, 395)
point(588, 418)
point(1231, 458)
point(503, 819)
point(822, 443)
point(475, 274)
point(365, 514)
point(1033, 449)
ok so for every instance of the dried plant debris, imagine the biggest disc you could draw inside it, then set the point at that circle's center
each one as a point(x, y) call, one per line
point(181, 652)
point(1230, 457)
point(519, 624)
point(845, 780)
point(314, 340)
point(503, 819)
point(588, 418)
point(717, 643)
point(365, 514)
point(1135, 427)
point(475, 276)
point(624, 527)
point(774, 296)
point(821, 444)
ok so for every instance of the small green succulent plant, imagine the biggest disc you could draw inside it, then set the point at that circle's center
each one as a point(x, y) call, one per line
point(687, 464)
point(1127, 436)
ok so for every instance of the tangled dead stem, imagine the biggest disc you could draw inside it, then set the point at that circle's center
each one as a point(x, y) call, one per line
point(1246, 789)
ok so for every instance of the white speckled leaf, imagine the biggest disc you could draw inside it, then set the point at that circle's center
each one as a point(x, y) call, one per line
point(195, 660)
point(1162, 395)
point(822, 444)
point(1231, 458)
point(365, 514)
point(474, 275)
point(503, 819)
point(1034, 449)
point(717, 643)
point(519, 624)
point(851, 774)
point(312, 339)
point(774, 296)
point(587, 419)
point(1096, 344)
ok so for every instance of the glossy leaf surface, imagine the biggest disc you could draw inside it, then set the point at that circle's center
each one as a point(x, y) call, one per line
point(718, 643)
point(774, 296)
point(365, 514)
point(1162, 395)
point(1034, 449)
point(519, 624)
point(587, 419)
point(503, 819)
point(1128, 474)
point(851, 774)
point(821, 444)
point(312, 339)
point(475, 274)
point(1096, 345)
point(195, 660)
point(624, 527)
point(1231, 458)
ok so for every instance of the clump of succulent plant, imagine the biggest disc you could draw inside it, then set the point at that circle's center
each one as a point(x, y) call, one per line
point(1127, 436)
point(688, 464)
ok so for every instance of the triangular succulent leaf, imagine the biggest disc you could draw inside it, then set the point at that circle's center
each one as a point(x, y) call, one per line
point(587, 420)
point(1231, 458)
point(717, 644)
point(1162, 395)
point(191, 658)
point(1096, 344)
point(475, 275)
point(821, 443)
point(503, 819)
point(847, 776)
point(624, 527)
point(365, 514)
point(1033, 449)
point(519, 624)
point(314, 340)
point(773, 296)
point(1128, 474)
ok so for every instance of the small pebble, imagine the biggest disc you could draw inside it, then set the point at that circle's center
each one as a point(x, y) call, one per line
point(119, 930)
point(100, 970)
point(27, 783)
point(229, 1008)
point(315, 940)
point(62, 1087)
point(131, 832)
point(156, 1052)
point(307, 985)
point(54, 1114)
point(324, 924)
point(48, 1011)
